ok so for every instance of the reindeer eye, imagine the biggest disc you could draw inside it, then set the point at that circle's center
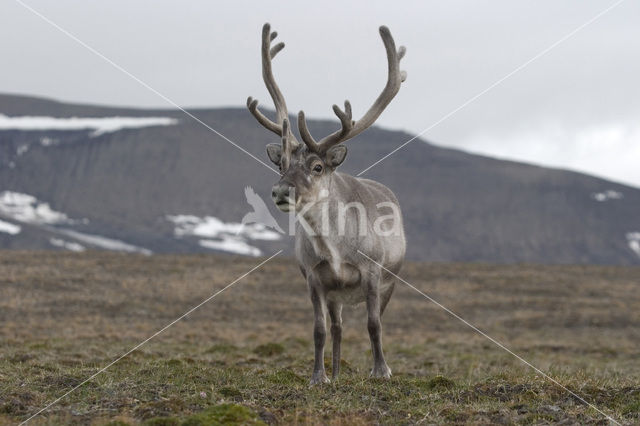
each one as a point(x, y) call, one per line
point(317, 168)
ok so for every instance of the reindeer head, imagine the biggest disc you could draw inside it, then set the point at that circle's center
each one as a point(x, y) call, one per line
point(306, 170)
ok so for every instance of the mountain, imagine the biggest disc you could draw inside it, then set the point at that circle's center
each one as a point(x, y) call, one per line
point(80, 176)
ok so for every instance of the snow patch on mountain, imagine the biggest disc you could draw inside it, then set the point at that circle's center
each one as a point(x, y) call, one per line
point(57, 242)
point(231, 245)
point(9, 228)
point(633, 239)
point(211, 227)
point(22, 149)
point(26, 208)
point(47, 141)
point(609, 194)
point(104, 242)
point(99, 125)
point(225, 236)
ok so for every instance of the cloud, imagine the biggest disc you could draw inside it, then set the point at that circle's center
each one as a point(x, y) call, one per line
point(211, 58)
point(609, 150)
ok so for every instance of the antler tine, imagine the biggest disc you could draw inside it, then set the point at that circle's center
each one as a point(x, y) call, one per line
point(268, 53)
point(352, 128)
point(305, 134)
point(345, 118)
point(252, 105)
point(287, 146)
point(275, 49)
point(285, 131)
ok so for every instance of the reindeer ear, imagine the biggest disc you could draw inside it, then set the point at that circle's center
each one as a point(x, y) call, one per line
point(274, 151)
point(336, 155)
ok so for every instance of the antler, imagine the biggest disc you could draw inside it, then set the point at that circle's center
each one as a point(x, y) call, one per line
point(268, 53)
point(352, 128)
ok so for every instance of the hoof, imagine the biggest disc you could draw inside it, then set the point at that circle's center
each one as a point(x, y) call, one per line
point(318, 379)
point(381, 372)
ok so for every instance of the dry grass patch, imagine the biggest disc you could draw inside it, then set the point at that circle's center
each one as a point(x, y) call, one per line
point(245, 357)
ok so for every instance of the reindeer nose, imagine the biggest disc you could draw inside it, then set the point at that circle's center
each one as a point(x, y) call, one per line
point(280, 192)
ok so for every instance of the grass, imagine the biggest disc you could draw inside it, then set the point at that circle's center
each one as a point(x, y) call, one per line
point(246, 356)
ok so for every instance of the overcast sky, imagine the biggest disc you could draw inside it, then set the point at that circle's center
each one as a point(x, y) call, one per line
point(576, 107)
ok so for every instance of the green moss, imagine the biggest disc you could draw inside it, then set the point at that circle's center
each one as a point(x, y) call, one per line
point(224, 414)
point(269, 349)
point(632, 409)
point(439, 383)
point(230, 392)
point(286, 377)
point(162, 421)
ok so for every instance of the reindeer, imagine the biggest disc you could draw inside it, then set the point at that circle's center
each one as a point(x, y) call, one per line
point(339, 217)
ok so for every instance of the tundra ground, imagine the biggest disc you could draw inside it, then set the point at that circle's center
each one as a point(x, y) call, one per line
point(246, 356)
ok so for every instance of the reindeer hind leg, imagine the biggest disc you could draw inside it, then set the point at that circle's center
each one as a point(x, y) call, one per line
point(386, 296)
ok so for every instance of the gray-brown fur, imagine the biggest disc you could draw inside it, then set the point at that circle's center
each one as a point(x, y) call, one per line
point(333, 263)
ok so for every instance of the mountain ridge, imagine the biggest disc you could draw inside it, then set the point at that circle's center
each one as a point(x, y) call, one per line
point(458, 206)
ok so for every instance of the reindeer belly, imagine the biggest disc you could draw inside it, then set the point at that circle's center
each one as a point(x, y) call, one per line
point(347, 296)
point(341, 282)
point(353, 293)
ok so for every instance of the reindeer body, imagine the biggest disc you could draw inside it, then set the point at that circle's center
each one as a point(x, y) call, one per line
point(338, 274)
point(333, 257)
point(344, 222)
